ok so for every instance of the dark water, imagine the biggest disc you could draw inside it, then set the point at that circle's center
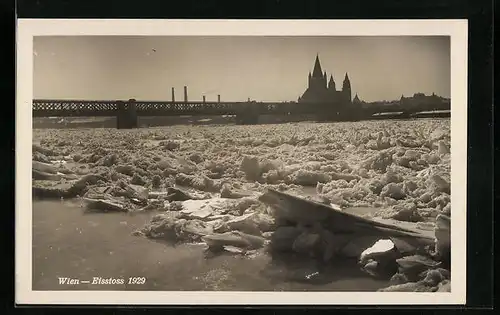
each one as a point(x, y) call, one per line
point(70, 243)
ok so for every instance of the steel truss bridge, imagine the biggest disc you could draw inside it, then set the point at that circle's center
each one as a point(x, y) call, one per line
point(91, 108)
point(68, 108)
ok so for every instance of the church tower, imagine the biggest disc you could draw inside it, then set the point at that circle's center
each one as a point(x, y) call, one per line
point(346, 88)
point(331, 84)
point(323, 89)
point(332, 90)
point(317, 72)
point(318, 80)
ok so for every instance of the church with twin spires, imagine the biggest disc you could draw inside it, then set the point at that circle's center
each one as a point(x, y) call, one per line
point(320, 90)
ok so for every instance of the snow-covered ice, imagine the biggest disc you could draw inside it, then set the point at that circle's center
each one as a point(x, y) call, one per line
point(374, 163)
point(207, 179)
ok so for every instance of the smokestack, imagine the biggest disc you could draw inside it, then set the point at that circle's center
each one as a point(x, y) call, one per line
point(218, 98)
point(185, 93)
point(203, 98)
point(173, 94)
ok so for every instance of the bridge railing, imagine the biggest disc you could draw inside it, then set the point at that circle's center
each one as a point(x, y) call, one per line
point(64, 108)
point(43, 108)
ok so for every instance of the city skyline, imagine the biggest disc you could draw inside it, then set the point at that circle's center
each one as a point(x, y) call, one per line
point(237, 68)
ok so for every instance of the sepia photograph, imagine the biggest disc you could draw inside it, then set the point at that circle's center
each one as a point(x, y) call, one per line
point(261, 162)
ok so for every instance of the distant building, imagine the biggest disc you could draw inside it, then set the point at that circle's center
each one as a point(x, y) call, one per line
point(321, 91)
point(425, 102)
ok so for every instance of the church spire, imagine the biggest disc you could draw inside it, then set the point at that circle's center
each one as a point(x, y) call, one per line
point(347, 82)
point(346, 87)
point(346, 78)
point(331, 83)
point(317, 72)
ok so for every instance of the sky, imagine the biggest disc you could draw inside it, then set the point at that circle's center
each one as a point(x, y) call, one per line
point(237, 68)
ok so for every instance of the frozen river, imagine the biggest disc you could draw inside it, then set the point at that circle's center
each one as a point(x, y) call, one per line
point(399, 168)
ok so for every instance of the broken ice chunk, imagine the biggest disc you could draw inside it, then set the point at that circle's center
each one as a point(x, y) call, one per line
point(380, 247)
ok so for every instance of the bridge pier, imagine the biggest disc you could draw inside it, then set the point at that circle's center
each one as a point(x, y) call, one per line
point(126, 117)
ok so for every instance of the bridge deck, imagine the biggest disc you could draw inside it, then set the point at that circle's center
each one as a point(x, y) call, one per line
point(66, 108)
point(93, 108)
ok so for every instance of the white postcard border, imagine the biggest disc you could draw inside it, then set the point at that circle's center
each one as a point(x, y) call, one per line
point(27, 28)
